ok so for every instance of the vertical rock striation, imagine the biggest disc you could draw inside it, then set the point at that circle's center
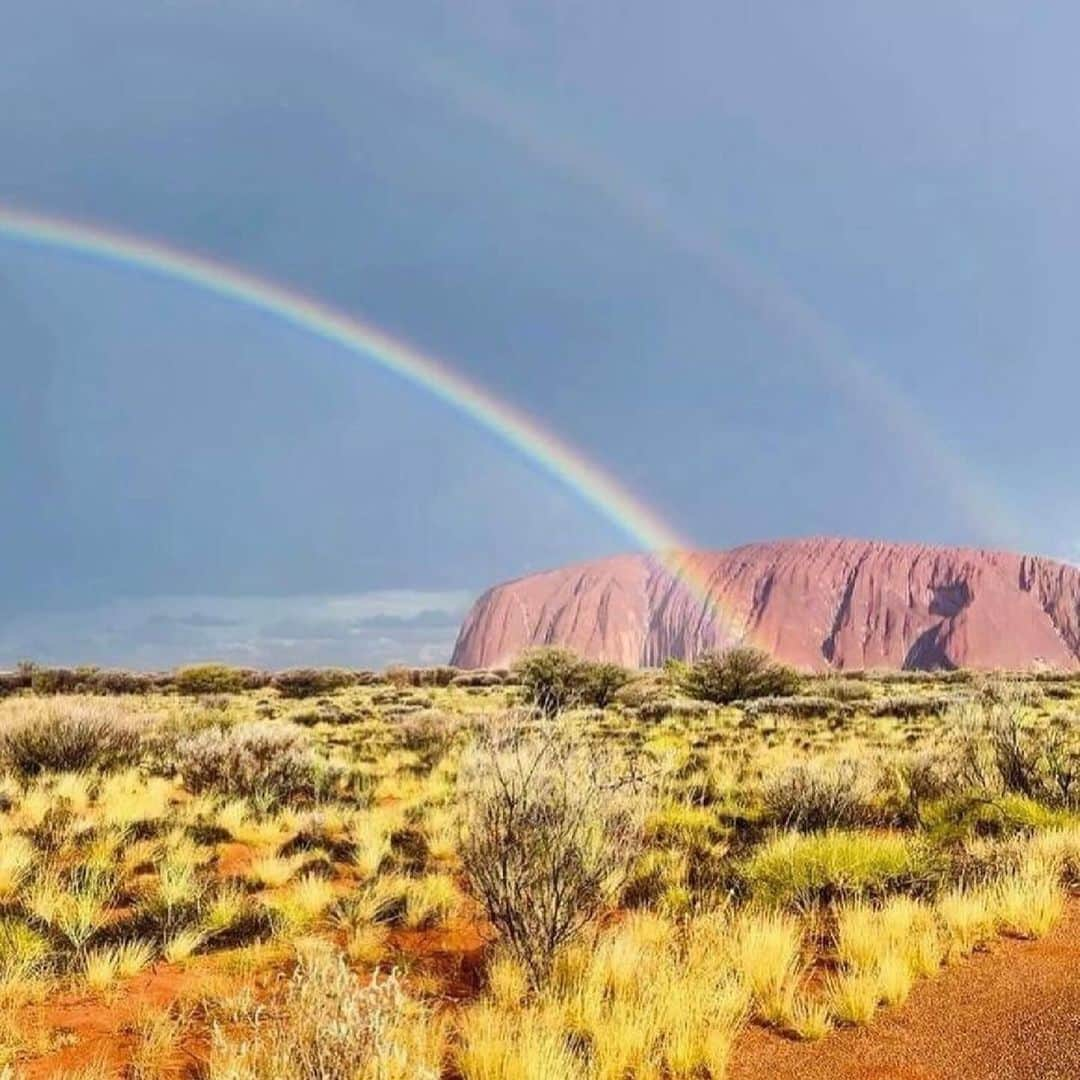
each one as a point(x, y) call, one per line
point(817, 603)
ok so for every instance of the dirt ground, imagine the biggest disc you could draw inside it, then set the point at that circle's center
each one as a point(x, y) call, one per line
point(1010, 1014)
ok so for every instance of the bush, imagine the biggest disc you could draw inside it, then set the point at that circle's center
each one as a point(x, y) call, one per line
point(477, 679)
point(263, 759)
point(795, 870)
point(443, 675)
point(122, 682)
point(553, 679)
point(44, 680)
point(738, 675)
point(550, 679)
point(599, 682)
point(644, 690)
point(847, 690)
point(797, 708)
point(310, 682)
point(921, 778)
point(812, 797)
point(551, 831)
point(429, 733)
point(12, 681)
point(208, 679)
point(1002, 749)
point(72, 737)
point(962, 817)
point(912, 706)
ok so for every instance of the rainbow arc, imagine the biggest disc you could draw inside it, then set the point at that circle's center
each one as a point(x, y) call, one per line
point(592, 483)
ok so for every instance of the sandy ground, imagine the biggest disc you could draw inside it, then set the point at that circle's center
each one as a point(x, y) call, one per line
point(1010, 1014)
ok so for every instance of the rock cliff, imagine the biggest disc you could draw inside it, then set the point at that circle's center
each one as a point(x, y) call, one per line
point(816, 603)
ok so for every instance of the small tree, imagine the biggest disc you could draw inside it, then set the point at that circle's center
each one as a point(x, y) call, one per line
point(737, 675)
point(600, 681)
point(551, 829)
point(550, 679)
point(208, 679)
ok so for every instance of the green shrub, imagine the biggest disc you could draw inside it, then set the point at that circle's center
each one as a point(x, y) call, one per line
point(550, 679)
point(645, 690)
point(598, 682)
point(795, 870)
point(738, 674)
point(310, 682)
point(68, 738)
point(442, 675)
point(957, 819)
point(209, 679)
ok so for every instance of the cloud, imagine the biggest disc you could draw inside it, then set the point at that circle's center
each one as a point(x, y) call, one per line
point(196, 618)
point(430, 618)
point(357, 630)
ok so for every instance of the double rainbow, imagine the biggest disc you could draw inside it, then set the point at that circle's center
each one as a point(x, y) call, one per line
point(520, 431)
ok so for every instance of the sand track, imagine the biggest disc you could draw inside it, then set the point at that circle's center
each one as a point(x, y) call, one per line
point(1010, 1014)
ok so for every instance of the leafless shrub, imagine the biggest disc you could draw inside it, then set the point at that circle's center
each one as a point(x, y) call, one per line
point(1003, 749)
point(67, 736)
point(913, 706)
point(797, 708)
point(122, 682)
point(310, 682)
point(811, 796)
point(429, 732)
point(12, 681)
point(551, 829)
point(845, 689)
point(263, 758)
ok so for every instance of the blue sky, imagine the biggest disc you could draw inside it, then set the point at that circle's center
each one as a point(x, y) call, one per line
point(782, 269)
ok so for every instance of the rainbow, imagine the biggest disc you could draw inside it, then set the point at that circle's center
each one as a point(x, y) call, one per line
point(509, 423)
point(502, 110)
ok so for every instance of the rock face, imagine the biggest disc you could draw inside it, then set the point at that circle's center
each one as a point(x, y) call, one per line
point(816, 604)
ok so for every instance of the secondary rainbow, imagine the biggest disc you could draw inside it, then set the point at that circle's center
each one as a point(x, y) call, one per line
point(520, 431)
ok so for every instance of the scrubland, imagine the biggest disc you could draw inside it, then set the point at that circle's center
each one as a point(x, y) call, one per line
point(561, 871)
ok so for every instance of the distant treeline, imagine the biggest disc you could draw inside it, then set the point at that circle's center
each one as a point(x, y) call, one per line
point(224, 679)
point(549, 667)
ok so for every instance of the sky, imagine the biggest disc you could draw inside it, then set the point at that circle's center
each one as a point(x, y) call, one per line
point(780, 269)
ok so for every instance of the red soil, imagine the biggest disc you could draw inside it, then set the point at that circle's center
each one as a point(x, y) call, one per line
point(100, 1028)
point(453, 953)
point(1010, 1014)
